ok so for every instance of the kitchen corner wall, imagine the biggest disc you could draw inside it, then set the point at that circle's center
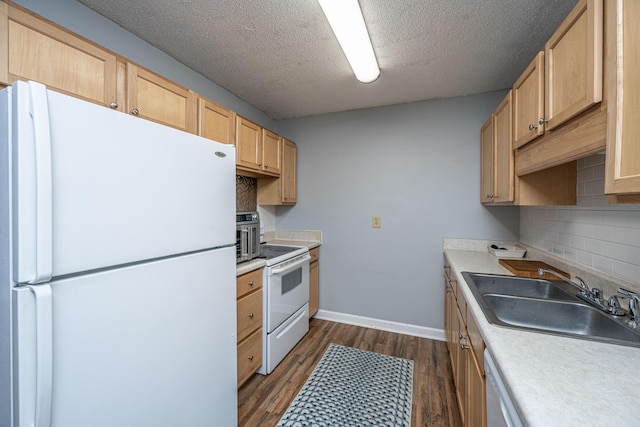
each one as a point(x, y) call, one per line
point(593, 234)
point(417, 165)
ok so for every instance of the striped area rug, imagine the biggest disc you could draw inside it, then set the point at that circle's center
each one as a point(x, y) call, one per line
point(351, 387)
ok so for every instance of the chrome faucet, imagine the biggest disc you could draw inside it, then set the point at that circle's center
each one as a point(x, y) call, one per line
point(582, 286)
point(634, 306)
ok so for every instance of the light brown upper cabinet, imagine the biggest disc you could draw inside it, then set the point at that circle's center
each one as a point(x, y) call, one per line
point(282, 190)
point(289, 172)
point(622, 176)
point(271, 152)
point(572, 62)
point(487, 179)
point(155, 98)
point(503, 159)
point(499, 184)
point(32, 48)
point(248, 145)
point(258, 150)
point(497, 155)
point(216, 122)
point(528, 102)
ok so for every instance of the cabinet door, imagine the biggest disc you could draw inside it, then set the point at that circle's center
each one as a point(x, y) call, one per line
point(503, 161)
point(36, 49)
point(528, 103)
point(216, 122)
point(249, 356)
point(487, 178)
point(271, 155)
point(460, 370)
point(476, 394)
point(448, 295)
point(314, 288)
point(573, 61)
point(623, 127)
point(155, 98)
point(289, 172)
point(248, 144)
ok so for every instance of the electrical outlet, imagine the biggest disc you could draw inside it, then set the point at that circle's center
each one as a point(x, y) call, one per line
point(376, 221)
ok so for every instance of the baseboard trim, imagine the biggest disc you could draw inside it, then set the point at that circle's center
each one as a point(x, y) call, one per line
point(384, 325)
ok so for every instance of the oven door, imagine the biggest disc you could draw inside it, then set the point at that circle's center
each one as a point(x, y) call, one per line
point(288, 289)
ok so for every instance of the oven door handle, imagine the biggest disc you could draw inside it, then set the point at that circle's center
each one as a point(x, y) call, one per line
point(291, 266)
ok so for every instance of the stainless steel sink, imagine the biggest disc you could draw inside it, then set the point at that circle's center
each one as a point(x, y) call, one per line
point(545, 306)
point(520, 286)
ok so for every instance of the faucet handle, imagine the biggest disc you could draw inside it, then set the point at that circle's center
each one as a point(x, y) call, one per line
point(614, 306)
point(634, 305)
point(627, 293)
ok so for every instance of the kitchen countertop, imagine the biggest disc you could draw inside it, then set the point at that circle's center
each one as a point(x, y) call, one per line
point(553, 380)
point(247, 266)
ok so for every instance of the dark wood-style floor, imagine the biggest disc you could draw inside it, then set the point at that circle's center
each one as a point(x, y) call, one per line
point(263, 399)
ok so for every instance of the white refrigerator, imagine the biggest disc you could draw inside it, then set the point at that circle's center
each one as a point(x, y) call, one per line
point(117, 268)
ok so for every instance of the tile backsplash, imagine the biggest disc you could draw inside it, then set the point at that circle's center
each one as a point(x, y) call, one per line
point(246, 194)
point(594, 234)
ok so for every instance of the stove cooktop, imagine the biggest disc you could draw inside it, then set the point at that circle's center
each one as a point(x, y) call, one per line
point(274, 254)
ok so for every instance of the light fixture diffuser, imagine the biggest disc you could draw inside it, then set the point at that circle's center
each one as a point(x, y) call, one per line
point(347, 23)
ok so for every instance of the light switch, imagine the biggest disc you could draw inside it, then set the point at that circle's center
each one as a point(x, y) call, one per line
point(376, 221)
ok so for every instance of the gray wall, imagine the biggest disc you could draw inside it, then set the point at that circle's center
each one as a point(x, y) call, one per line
point(95, 27)
point(418, 166)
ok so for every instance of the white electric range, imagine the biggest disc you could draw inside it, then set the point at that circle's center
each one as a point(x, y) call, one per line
point(285, 301)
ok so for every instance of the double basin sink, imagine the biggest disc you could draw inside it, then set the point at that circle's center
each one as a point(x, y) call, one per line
point(547, 306)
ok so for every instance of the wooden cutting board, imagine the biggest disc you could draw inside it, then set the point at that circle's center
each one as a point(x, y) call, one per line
point(529, 268)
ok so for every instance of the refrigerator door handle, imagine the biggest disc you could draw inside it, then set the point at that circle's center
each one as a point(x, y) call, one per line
point(44, 353)
point(39, 110)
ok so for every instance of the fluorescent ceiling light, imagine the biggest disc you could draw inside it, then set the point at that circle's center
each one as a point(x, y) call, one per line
point(347, 23)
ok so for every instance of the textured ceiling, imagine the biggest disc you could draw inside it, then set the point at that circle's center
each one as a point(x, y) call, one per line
point(281, 56)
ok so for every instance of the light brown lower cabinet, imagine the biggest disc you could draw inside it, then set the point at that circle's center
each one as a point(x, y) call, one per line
point(249, 324)
point(314, 281)
point(466, 348)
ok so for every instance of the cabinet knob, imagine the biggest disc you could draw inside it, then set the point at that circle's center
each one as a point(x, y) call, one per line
point(250, 357)
point(542, 121)
point(266, 165)
point(251, 315)
point(250, 283)
point(113, 105)
point(135, 111)
point(464, 346)
point(532, 126)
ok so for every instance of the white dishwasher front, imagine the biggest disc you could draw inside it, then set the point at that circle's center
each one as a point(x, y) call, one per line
point(500, 409)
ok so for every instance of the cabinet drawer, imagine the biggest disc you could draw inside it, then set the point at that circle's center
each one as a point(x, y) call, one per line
point(248, 282)
point(249, 314)
point(249, 356)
